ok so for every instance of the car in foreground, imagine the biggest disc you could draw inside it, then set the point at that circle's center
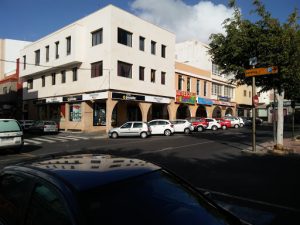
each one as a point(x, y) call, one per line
point(225, 124)
point(11, 135)
point(199, 124)
point(212, 124)
point(161, 126)
point(182, 126)
point(131, 129)
point(44, 126)
point(90, 189)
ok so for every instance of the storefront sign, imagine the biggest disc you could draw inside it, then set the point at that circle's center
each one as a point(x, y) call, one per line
point(72, 98)
point(39, 102)
point(126, 96)
point(54, 100)
point(216, 102)
point(185, 97)
point(223, 98)
point(204, 101)
point(157, 99)
point(96, 95)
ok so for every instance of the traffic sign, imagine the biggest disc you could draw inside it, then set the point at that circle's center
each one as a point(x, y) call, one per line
point(261, 71)
point(255, 100)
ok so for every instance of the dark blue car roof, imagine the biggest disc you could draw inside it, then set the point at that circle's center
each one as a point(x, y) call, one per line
point(87, 171)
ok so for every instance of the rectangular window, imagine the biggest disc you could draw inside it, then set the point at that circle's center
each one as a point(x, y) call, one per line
point(124, 69)
point(37, 57)
point(124, 37)
point(152, 79)
point(30, 84)
point(75, 112)
point(205, 88)
point(47, 48)
point(99, 118)
point(180, 82)
point(153, 47)
point(24, 62)
point(96, 69)
point(188, 85)
point(63, 76)
point(216, 70)
point(43, 81)
point(163, 51)
point(68, 39)
point(97, 37)
point(56, 50)
point(245, 93)
point(74, 71)
point(4, 90)
point(53, 76)
point(142, 43)
point(198, 87)
point(163, 78)
point(142, 73)
point(249, 94)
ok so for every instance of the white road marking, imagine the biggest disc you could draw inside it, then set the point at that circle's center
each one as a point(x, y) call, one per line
point(43, 140)
point(78, 137)
point(32, 141)
point(60, 139)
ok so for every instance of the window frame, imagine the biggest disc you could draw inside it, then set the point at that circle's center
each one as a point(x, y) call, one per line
point(124, 34)
point(152, 75)
point(97, 69)
point(97, 37)
point(43, 81)
point(30, 84)
point(142, 43)
point(47, 48)
point(68, 45)
point(119, 63)
point(163, 78)
point(141, 73)
point(53, 79)
point(37, 57)
point(163, 51)
point(63, 76)
point(153, 47)
point(75, 73)
point(57, 50)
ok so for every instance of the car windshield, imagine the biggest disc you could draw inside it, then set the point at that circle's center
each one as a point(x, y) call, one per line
point(9, 126)
point(153, 199)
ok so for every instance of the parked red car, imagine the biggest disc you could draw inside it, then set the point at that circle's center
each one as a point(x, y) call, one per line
point(224, 123)
point(199, 124)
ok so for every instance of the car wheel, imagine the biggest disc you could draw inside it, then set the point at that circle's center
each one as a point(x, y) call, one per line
point(114, 135)
point(199, 129)
point(167, 132)
point(144, 135)
point(214, 128)
point(224, 127)
point(236, 126)
point(241, 125)
point(187, 130)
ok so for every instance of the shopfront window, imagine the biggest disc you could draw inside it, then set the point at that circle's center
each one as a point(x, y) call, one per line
point(75, 112)
point(99, 118)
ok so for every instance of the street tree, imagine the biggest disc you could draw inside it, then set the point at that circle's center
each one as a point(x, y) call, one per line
point(272, 42)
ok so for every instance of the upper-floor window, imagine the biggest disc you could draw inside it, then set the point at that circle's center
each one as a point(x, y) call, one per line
point(63, 76)
point(47, 48)
point(142, 43)
point(96, 69)
point(205, 88)
point(163, 78)
point(56, 49)
point(249, 94)
point(198, 87)
point(53, 76)
point(188, 84)
point(245, 93)
point(97, 37)
point(152, 78)
point(43, 81)
point(180, 79)
point(74, 71)
point(68, 40)
point(24, 62)
point(163, 51)
point(30, 84)
point(216, 89)
point(124, 69)
point(124, 37)
point(142, 73)
point(228, 91)
point(37, 57)
point(153, 47)
point(216, 70)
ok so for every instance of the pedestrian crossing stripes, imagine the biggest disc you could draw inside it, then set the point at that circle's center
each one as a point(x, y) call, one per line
point(54, 139)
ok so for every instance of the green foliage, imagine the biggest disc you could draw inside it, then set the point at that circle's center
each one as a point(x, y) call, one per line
point(273, 43)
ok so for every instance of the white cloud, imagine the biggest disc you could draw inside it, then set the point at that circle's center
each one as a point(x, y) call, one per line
point(188, 22)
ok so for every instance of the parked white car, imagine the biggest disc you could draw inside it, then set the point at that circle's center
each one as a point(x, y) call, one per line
point(212, 124)
point(242, 123)
point(235, 122)
point(131, 128)
point(11, 135)
point(182, 126)
point(161, 126)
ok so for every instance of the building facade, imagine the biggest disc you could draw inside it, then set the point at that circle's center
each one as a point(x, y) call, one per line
point(104, 69)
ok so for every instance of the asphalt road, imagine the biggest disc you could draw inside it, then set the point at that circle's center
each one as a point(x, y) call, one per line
point(264, 188)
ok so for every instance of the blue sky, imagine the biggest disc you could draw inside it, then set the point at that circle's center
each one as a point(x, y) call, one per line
point(30, 20)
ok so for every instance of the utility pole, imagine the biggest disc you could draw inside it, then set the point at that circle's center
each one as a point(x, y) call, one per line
point(253, 62)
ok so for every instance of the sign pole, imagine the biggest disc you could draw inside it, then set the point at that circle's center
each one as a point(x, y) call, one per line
point(253, 116)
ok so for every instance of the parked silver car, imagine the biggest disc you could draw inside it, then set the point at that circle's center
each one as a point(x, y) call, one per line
point(181, 125)
point(44, 126)
point(161, 126)
point(11, 135)
point(131, 128)
point(26, 124)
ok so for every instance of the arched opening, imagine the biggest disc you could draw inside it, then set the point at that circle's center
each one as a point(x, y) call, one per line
point(183, 112)
point(125, 111)
point(158, 111)
point(217, 113)
point(228, 112)
point(201, 111)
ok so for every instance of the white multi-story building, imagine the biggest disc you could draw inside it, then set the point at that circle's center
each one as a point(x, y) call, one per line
point(109, 66)
point(195, 53)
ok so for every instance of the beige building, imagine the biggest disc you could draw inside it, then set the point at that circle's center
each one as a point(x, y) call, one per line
point(244, 100)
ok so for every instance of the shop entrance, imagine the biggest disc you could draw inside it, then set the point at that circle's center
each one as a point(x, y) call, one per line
point(201, 111)
point(183, 112)
point(126, 111)
point(229, 111)
point(158, 111)
point(217, 113)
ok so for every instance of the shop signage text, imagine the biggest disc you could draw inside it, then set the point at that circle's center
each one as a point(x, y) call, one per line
point(204, 101)
point(185, 97)
point(223, 98)
point(72, 98)
point(126, 96)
